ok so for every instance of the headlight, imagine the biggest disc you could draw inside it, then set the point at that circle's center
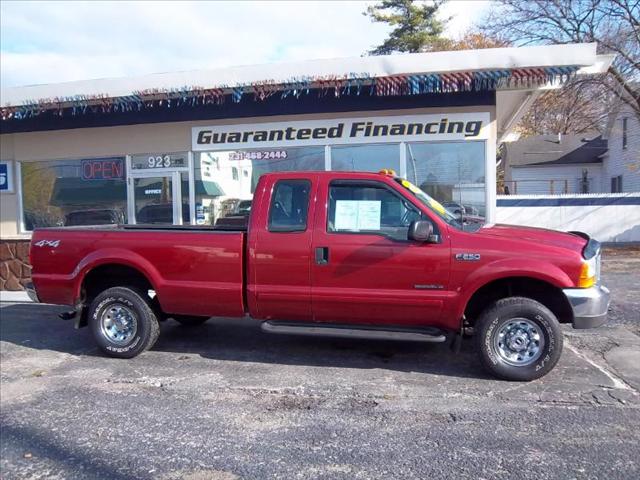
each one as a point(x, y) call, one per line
point(589, 272)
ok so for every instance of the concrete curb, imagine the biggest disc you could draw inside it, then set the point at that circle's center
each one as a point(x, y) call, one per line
point(9, 296)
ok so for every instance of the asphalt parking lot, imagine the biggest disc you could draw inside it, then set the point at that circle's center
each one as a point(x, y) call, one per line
point(226, 401)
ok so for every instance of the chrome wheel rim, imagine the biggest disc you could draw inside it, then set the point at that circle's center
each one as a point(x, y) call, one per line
point(519, 341)
point(118, 324)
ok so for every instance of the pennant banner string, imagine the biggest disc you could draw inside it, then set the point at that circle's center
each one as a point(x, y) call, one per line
point(335, 86)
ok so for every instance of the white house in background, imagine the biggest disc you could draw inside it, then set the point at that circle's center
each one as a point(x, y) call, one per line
point(621, 164)
point(556, 164)
point(232, 173)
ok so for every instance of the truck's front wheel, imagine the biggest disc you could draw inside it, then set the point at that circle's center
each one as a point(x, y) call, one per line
point(123, 322)
point(518, 339)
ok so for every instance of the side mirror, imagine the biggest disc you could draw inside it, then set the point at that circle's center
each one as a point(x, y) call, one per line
point(422, 231)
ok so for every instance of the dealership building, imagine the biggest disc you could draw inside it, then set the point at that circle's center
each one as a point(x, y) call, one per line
point(188, 147)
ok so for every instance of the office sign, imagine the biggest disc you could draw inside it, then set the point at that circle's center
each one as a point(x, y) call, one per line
point(6, 177)
point(406, 128)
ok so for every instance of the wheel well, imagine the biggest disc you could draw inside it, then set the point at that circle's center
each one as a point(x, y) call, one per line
point(112, 275)
point(545, 293)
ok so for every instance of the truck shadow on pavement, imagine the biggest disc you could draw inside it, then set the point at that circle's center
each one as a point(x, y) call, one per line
point(241, 340)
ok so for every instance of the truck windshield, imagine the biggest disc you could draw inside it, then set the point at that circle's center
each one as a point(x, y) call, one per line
point(433, 205)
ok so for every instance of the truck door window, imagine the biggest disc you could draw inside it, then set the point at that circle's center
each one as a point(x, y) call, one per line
point(369, 209)
point(289, 206)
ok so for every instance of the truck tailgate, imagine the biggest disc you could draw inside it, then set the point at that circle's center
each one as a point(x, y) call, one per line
point(193, 272)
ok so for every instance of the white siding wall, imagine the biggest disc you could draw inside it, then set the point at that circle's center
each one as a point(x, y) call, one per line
point(607, 218)
point(537, 179)
point(624, 162)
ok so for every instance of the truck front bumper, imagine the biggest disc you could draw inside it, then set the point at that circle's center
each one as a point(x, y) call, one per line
point(31, 291)
point(589, 305)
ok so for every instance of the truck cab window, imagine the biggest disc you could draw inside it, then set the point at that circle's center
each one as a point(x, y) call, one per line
point(289, 206)
point(369, 209)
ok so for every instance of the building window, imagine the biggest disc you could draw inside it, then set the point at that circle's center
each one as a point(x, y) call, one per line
point(74, 192)
point(452, 173)
point(298, 159)
point(616, 184)
point(625, 122)
point(233, 193)
point(366, 158)
point(289, 206)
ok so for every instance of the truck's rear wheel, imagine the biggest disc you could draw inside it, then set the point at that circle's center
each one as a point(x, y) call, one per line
point(123, 322)
point(518, 339)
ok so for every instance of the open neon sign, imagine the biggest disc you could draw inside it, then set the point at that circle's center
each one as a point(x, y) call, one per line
point(103, 169)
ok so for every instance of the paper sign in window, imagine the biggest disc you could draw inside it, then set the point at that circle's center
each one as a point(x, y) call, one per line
point(357, 215)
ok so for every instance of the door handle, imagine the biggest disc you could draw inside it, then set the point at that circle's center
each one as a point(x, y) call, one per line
point(322, 255)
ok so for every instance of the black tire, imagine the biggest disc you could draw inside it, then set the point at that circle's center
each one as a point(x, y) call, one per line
point(189, 321)
point(138, 305)
point(528, 320)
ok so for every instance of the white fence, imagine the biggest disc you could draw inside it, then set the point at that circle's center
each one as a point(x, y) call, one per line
point(606, 217)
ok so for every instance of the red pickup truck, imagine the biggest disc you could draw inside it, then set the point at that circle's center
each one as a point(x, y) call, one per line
point(346, 254)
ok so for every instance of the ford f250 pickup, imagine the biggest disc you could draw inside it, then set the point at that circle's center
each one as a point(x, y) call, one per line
point(348, 254)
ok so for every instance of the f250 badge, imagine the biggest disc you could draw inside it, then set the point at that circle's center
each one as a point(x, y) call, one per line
point(467, 257)
point(48, 243)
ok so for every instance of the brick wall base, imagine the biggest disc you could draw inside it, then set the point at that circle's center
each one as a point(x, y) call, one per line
point(15, 271)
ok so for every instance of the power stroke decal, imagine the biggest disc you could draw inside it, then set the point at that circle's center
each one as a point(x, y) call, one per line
point(347, 131)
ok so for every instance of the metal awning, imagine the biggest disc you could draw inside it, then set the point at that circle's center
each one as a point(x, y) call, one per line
point(207, 188)
point(74, 191)
point(516, 74)
point(582, 55)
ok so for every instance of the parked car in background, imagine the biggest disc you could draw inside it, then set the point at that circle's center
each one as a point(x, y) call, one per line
point(161, 213)
point(471, 210)
point(348, 254)
point(458, 208)
point(232, 222)
point(107, 216)
point(453, 207)
point(244, 207)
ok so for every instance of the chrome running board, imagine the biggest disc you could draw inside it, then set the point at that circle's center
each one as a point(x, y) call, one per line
point(426, 334)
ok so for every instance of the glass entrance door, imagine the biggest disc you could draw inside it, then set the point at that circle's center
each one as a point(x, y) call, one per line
point(156, 199)
point(153, 200)
point(160, 188)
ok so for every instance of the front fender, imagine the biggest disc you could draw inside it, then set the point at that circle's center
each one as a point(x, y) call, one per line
point(508, 268)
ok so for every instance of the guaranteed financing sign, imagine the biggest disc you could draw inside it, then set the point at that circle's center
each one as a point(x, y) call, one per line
point(407, 128)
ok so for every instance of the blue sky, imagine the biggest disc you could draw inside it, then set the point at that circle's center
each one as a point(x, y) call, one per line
point(48, 42)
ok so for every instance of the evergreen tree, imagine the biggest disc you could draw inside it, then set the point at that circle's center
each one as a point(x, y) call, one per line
point(416, 28)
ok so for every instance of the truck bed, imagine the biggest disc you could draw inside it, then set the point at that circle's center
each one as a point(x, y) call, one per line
point(195, 270)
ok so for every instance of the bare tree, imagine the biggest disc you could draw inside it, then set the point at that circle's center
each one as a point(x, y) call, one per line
point(613, 24)
point(472, 40)
point(580, 106)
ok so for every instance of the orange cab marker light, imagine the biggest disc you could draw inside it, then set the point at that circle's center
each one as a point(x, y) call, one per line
point(387, 171)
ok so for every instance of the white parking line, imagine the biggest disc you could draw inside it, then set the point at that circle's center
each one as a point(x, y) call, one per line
point(617, 381)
